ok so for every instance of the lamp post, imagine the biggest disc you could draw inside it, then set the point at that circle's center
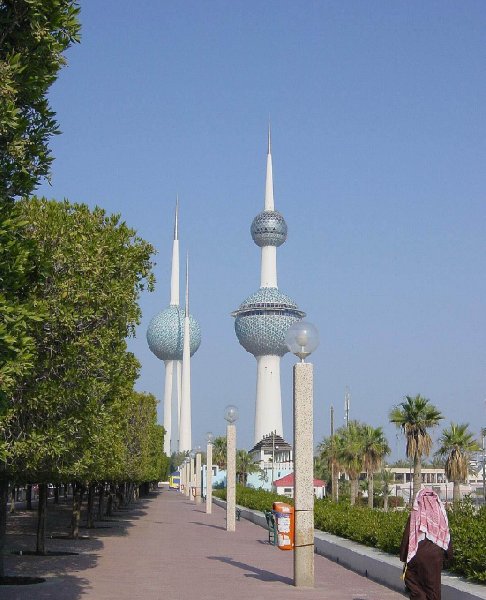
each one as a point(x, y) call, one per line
point(231, 415)
point(187, 489)
point(192, 474)
point(209, 472)
point(483, 434)
point(302, 339)
point(197, 489)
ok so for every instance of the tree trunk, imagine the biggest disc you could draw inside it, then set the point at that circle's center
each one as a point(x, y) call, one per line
point(56, 494)
point(12, 499)
point(353, 486)
point(3, 521)
point(417, 477)
point(109, 505)
point(334, 483)
point(28, 497)
point(90, 509)
point(76, 514)
point(100, 502)
point(456, 492)
point(370, 489)
point(385, 501)
point(41, 519)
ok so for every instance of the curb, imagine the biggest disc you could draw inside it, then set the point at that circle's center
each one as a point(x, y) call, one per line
point(370, 562)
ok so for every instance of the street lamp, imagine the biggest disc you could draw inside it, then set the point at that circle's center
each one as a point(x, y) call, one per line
point(192, 483)
point(197, 490)
point(209, 472)
point(302, 339)
point(231, 416)
point(187, 476)
point(483, 434)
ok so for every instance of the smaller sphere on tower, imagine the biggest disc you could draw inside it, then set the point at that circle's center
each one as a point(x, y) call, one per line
point(269, 229)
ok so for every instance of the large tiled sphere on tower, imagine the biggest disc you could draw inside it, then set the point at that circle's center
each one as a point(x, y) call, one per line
point(262, 321)
point(165, 334)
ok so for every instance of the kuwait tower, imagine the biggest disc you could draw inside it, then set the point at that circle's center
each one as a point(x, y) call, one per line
point(173, 335)
point(263, 318)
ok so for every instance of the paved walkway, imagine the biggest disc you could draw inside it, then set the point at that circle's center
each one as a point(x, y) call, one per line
point(167, 548)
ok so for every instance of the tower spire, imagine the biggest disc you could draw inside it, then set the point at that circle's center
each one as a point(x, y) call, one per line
point(187, 284)
point(174, 278)
point(269, 201)
point(176, 219)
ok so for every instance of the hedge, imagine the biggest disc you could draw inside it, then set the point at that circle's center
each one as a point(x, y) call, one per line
point(384, 530)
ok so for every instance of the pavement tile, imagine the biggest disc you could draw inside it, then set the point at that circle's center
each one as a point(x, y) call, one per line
point(168, 548)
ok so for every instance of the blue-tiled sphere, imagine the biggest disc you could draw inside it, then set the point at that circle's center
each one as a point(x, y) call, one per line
point(165, 333)
point(262, 321)
point(269, 229)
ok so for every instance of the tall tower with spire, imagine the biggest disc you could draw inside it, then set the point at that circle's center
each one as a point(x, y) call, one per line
point(263, 318)
point(165, 337)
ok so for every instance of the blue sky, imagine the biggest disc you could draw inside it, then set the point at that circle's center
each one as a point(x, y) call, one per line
point(379, 151)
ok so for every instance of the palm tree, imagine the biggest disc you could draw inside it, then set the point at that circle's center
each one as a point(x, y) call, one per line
point(219, 451)
point(375, 447)
point(329, 451)
point(244, 466)
point(263, 477)
point(386, 479)
point(457, 446)
point(414, 416)
point(351, 454)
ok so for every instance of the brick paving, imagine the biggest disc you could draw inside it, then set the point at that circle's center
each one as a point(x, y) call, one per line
point(166, 547)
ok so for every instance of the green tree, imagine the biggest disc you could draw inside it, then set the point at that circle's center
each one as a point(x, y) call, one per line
point(92, 269)
point(457, 445)
point(329, 453)
point(385, 480)
point(375, 448)
point(33, 36)
point(244, 466)
point(351, 454)
point(219, 451)
point(415, 416)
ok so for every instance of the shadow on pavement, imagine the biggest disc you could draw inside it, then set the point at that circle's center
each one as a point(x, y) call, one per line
point(255, 572)
point(69, 588)
point(208, 525)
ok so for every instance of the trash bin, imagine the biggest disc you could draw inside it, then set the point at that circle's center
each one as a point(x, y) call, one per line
point(284, 524)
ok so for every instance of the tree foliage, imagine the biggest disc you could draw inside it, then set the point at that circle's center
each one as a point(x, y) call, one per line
point(34, 34)
point(91, 271)
point(415, 416)
point(457, 445)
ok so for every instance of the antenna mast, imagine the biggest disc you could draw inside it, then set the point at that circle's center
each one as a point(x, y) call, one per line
point(347, 402)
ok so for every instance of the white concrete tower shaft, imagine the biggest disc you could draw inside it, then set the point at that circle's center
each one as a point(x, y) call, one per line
point(171, 386)
point(268, 277)
point(268, 407)
point(185, 434)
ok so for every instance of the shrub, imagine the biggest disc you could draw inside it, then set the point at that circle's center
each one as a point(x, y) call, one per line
point(384, 530)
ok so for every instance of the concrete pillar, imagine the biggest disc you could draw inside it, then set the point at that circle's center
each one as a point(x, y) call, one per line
point(197, 491)
point(231, 477)
point(304, 475)
point(193, 477)
point(209, 478)
point(188, 479)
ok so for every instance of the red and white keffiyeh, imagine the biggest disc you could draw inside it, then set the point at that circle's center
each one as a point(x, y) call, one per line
point(428, 519)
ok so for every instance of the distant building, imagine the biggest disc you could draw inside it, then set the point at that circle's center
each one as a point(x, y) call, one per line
point(285, 486)
point(274, 456)
point(434, 478)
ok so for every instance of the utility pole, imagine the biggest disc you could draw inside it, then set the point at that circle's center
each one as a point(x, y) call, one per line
point(347, 402)
point(332, 419)
point(483, 434)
